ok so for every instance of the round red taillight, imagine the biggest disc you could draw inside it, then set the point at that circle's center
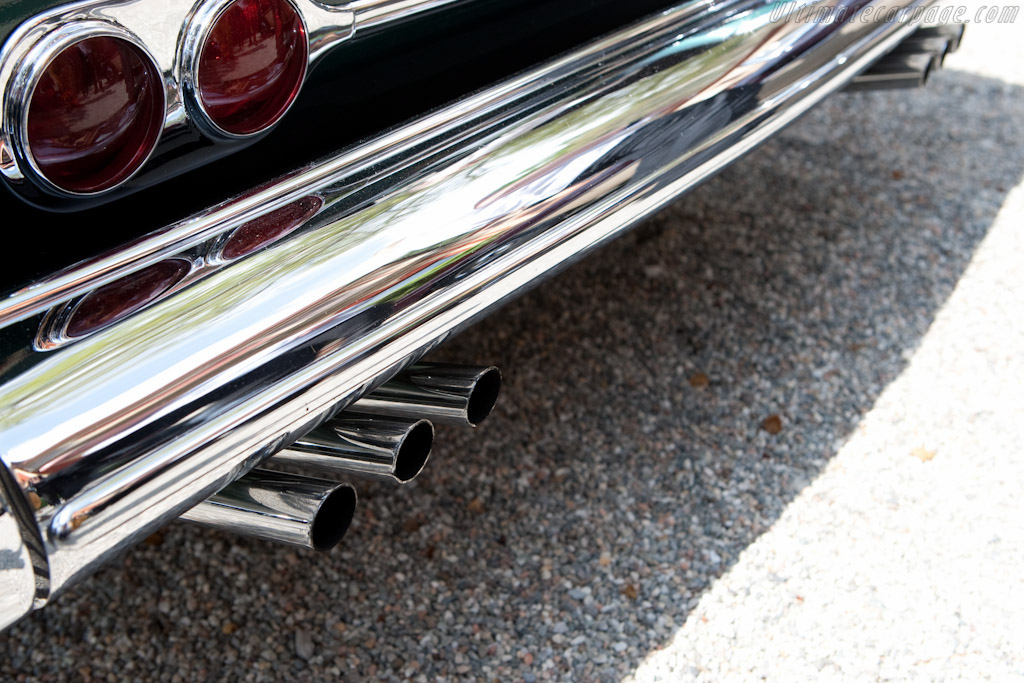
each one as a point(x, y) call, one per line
point(123, 297)
point(251, 65)
point(95, 114)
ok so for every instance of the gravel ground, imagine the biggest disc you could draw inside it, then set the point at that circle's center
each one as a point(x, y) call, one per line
point(772, 433)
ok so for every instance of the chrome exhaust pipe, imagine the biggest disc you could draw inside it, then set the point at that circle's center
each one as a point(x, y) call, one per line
point(910, 63)
point(935, 46)
point(455, 394)
point(952, 33)
point(363, 446)
point(895, 71)
point(282, 507)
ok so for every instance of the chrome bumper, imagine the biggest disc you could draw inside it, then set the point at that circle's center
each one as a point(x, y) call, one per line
point(421, 231)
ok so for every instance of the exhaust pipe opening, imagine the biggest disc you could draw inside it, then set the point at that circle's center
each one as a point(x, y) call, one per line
point(483, 396)
point(333, 519)
point(363, 446)
point(456, 394)
point(414, 451)
point(282, 507)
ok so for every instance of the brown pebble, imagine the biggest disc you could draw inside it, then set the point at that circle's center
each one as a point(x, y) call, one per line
point(772, 424)
point(699, 380)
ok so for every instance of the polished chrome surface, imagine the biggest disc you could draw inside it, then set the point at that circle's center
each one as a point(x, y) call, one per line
point(281, 507)
point(171, 32)
point(422, 231)
point(457, 394)
point(365, 446)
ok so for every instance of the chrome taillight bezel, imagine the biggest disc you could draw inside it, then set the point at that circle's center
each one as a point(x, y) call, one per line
point(18, 96)
point(197, 31)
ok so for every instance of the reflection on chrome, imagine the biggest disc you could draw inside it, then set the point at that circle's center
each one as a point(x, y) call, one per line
point(364, 446)
point(457, 394)
point(110, 437)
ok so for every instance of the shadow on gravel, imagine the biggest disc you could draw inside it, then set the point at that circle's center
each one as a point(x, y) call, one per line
point(628, 463)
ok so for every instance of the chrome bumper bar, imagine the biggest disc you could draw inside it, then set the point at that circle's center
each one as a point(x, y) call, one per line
point(109, 436)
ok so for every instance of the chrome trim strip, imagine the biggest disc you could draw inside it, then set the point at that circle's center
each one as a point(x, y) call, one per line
point(370, 13)
point(421, 232)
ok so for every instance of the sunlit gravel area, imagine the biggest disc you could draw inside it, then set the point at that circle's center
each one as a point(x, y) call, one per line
point(773, 433)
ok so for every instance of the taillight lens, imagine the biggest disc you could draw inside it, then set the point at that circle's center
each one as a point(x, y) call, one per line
point(252, 64)
point(95, 114)
point(261, 231)
point(123, 297)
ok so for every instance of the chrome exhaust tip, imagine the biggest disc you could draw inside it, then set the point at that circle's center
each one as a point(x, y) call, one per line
point(363, 446)
point(952, 32)
point(454, 394)
point(935, 46)
point(281, 507)
point(895, 71)
point(909, 64)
